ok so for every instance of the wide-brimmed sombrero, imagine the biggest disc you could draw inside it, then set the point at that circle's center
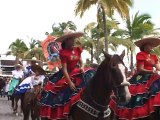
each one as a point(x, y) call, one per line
point(150, 40)
point(35, 68)
point(34, 59)
point(69, 34)
point(18, 66)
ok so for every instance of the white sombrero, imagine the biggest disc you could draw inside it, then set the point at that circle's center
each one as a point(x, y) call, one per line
point(154, 42)
point(68, 34)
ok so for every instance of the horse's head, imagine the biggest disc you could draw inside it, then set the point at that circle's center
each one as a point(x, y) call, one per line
point(118, 79)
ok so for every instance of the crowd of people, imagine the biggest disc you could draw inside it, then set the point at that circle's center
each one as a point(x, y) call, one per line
point(65, 87)
point(4, 90)
point(23, 79)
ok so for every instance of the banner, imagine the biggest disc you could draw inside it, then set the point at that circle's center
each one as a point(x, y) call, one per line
point(51, 52)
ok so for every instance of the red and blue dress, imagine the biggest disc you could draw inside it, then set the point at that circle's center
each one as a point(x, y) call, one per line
point(145, 91)
point(58, 98)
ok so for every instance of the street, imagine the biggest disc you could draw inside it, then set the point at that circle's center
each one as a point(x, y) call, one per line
point(6, 111)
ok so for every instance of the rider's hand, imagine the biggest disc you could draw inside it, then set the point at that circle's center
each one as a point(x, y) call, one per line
point(82, 69)
point(72, 85)
point(155, 72)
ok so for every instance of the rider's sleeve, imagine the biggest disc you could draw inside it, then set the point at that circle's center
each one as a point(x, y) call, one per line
point(140, 58)
point(156, 59)
point(80, 50)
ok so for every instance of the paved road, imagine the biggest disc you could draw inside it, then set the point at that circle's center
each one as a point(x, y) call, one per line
point(6, 112)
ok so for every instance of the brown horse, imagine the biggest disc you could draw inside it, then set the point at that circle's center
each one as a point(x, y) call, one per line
point(17, 102)
point(31, 104)
point(110, 76)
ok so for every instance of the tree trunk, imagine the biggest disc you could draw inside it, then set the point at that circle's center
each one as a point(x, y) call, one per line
point(17, 59)
point(105, 29)
point(131, 64)
point(91, 53)
point(98, 47)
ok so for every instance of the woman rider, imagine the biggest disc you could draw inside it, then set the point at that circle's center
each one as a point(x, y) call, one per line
point(145, 84)
point(65, 87)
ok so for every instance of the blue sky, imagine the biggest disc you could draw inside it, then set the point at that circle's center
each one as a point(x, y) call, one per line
point(151, 7)
point(26, 19)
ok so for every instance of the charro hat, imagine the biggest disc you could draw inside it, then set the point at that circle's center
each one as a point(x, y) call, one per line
point(154, 42)
point(68, 34)
point(33, 59)
point(18, 65)
point(35, 68)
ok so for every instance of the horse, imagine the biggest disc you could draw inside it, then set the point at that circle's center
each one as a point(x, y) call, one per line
point(31, 105)
point(31, 102)
point(17, 103)
point(110, 76)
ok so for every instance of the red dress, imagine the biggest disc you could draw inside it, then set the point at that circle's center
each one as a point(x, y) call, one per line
point(145, 91)
point(71, 57)
point(58, 98)
point(146, 59)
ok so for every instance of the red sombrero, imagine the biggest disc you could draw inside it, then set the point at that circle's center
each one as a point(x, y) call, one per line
point(68, 34)
point(35, 68)
point(150, 40)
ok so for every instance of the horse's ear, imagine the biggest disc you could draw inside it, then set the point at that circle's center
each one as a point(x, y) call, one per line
point(122, 54)
point(107, 56)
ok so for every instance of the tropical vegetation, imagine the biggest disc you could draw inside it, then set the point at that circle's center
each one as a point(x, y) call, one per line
point(104, 34)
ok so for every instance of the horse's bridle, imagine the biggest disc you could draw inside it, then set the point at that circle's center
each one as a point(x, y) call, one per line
point(92, 111)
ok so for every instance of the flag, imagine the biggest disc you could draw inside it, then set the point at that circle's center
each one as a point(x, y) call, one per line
point(51, 52)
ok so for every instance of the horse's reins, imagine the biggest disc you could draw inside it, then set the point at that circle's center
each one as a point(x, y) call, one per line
point(91, 110)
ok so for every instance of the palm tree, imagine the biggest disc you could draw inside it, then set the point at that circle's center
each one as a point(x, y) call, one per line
point(106, 7)
point(94, 37)
point(17, 48)
point(135, 29)
point(35, 50)
point(58, 30)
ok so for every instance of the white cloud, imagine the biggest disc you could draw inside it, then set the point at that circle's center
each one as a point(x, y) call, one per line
point(32, 18)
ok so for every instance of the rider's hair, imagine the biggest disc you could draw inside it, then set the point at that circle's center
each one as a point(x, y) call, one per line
point(142, 47)
point(63, 45)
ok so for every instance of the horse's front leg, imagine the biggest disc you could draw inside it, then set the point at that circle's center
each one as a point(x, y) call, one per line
point(15, 106)
point(12, 102)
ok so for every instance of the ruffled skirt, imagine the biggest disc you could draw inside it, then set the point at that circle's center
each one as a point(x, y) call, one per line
point(58, 98)
point(22, 89)
point(145, 91)
point(12, 86)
